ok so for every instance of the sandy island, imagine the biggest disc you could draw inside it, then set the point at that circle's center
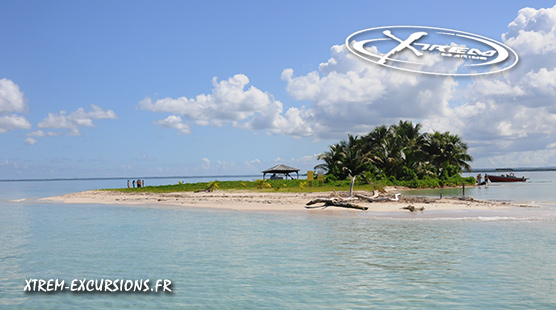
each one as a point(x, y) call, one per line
point(279, 201)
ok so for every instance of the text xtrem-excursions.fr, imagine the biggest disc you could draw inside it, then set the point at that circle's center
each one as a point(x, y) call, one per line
point(96, 285)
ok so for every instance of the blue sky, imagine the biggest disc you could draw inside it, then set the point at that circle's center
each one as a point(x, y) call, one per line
point(145, 88)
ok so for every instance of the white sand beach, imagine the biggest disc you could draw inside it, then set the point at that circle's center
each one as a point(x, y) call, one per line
point(268, 201)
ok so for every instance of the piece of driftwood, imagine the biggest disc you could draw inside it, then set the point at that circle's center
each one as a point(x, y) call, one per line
point(336, 202)
point(208, 190)
point(375, 198)
point(343, 198)
point(413, 209)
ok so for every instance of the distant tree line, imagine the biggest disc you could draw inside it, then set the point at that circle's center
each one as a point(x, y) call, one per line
point(399, 154)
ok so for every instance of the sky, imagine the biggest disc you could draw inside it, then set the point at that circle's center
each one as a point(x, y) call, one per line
point(183, 88)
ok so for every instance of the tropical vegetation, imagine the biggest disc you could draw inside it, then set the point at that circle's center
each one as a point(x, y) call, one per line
point(293, 186)
point(399, 155)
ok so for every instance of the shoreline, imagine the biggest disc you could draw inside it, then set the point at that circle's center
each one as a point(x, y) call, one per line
point(246, 200)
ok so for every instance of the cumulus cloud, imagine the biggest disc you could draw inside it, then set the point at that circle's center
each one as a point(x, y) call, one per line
point(74, 120)
point(509, 113)
point(11, 97)
point(31, 141)
point(39, 134)
point(205, 163)
point(13, 122)
point(532, 31)
point(174, 121)
point(68, 123)
point(230, 103)
point(12, 101)
point(350, 95)
point(515, 112)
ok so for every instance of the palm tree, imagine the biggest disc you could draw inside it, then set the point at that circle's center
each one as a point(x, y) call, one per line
point(345, 159)
point(412, 141)
point(374, 139)
point(388, 155)
point(444, 149)
point(353, 162)
point(331, 159)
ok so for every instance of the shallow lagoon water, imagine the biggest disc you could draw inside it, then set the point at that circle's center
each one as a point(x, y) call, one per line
point(251, 260)
point(539, 189)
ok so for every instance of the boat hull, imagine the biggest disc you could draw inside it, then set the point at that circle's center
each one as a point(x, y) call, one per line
point(500, 178)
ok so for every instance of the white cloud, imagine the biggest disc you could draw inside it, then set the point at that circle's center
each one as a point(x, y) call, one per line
point(509, 116)
point(76, 119)
point(68, 123)
point(350, 95)
point(11, 97)
point(174, 121)
point(508, 113)
point(12, 100)
point(533, 31)
point(230, 103)
point(31, 141)
point(205, 163)
point(13, 122)
point(39, 134)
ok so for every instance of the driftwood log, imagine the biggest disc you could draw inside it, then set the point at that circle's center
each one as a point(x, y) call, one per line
point(207, 190)
point(336, 202)
point(413, 209)
point(375, 197)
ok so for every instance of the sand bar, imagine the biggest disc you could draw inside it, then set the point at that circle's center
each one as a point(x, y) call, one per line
point(268, 201)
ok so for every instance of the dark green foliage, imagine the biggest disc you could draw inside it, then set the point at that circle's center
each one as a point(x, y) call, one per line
point(407, 174)
point(399, 155)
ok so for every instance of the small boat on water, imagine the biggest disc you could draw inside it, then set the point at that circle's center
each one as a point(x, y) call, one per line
point(505, 178)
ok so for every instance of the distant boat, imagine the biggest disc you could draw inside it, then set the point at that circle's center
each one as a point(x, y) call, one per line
point(505, 178)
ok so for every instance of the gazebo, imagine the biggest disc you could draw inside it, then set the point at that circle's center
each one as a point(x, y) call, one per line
point(282, 169)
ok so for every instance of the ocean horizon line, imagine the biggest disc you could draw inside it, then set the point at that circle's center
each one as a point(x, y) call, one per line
point(127, 178)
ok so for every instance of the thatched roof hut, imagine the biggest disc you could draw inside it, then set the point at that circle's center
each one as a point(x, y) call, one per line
point(281, 169)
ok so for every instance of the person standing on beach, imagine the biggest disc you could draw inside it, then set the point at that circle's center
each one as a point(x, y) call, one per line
point(133, 183)
point(142, 183)
point(138, 183)
point(127, 183)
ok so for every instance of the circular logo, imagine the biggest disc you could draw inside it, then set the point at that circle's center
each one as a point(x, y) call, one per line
point(431, 50)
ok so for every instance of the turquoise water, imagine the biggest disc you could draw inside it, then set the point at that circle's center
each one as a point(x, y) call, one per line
point(251, 260)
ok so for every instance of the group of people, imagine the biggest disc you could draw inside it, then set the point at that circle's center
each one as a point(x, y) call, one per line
point(480, 179)
point(139, 183)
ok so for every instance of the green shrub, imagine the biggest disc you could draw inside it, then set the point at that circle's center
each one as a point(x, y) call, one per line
point(407, 174)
